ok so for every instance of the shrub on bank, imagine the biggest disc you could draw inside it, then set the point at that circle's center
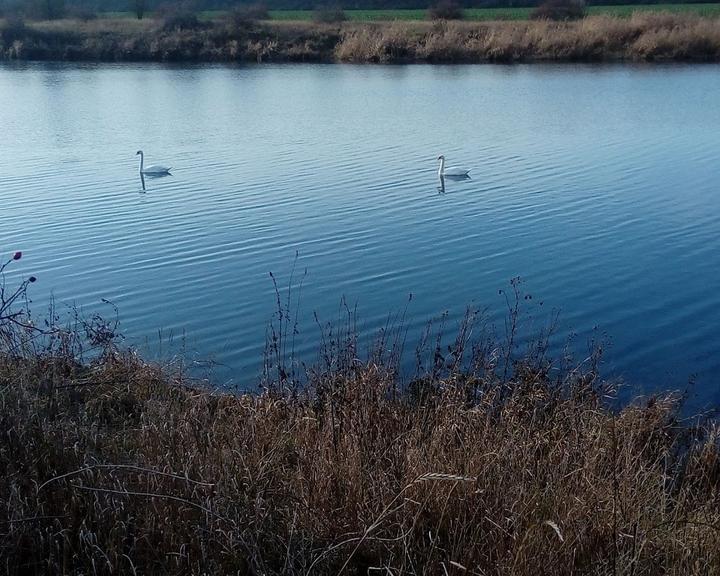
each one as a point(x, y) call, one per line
point(446, 10)
point(181, 21)
point(14, 29)
point(329, 14)
point(559, 10)
point(244, 17)
point(178, 17)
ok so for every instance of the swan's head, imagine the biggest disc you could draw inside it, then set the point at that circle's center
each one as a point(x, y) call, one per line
point(138, 152)
point(441, 157)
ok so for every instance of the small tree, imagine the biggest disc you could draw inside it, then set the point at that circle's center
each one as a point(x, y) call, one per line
point(446, 10)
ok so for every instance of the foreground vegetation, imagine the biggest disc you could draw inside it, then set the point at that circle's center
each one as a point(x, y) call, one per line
point(493, 460)
point(642, 37)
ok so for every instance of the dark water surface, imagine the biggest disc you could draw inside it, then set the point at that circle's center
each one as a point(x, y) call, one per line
point(598, 185)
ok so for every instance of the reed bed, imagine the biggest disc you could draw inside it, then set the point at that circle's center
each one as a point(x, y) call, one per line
point(644, 36)
point(492, 459)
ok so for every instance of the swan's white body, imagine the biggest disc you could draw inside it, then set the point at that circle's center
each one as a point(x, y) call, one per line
point(153, 168)
point(451, 170)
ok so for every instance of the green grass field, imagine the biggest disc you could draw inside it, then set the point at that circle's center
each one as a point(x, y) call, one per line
point(701, 9)
point(385, 15)
point(480, 14)
point(473, 14)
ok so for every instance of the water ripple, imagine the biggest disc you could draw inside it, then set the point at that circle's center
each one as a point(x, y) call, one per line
point(609, 212)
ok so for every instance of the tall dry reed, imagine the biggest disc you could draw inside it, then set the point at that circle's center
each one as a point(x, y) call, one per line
point(649, 36)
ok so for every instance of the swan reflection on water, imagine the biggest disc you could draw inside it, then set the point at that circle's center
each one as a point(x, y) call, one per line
point(458, 178)
point(151, 177)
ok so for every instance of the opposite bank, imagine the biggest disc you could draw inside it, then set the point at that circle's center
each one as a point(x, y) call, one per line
point(642, 37)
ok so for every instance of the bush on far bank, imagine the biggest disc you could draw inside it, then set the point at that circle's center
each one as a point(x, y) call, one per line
point(245, 15)
point(329, 14)
point(178, 16)
point(446, 10)
point(559, 10)
point(14, 29)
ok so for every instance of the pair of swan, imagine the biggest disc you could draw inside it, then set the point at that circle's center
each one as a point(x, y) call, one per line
point(153, 169)
point(158, 169)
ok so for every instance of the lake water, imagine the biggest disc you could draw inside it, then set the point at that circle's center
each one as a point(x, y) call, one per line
point(597, 185)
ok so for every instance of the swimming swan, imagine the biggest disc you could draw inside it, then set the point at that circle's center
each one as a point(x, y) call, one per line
point(451, 170)
point(153, 169)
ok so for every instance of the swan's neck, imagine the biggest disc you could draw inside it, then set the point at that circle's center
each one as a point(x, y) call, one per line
point(441, 170)
point(142, 159)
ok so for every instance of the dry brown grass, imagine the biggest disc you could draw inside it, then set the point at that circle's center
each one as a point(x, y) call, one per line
point(643, 37)
point(649, 36)
point(488, 463)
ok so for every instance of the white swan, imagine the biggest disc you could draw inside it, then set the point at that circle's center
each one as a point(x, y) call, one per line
point(451, 170)
point(152, 169)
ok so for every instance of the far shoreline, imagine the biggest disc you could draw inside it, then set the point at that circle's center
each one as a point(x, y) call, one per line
point(645, 37)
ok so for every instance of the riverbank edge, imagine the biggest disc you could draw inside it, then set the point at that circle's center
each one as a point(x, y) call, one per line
point(644, 37)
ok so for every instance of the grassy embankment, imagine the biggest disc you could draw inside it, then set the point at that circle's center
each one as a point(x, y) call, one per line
point(496, 460)
point(640, 37)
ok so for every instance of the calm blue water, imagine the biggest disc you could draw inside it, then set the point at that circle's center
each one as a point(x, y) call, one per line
point(597, 185)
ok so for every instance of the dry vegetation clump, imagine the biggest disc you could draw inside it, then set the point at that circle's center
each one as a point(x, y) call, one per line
point(450, 42)
point(379, 43)
point(488, 462)
point(684, 38)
